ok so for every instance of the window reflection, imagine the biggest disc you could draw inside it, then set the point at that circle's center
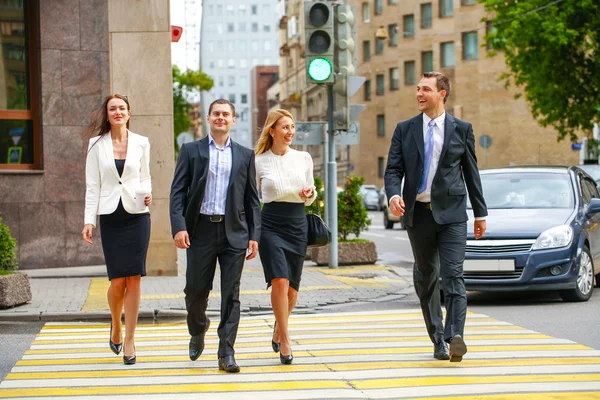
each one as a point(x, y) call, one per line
point(13, 56)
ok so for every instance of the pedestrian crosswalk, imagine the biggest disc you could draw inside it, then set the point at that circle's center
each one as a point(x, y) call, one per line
point(359, 355)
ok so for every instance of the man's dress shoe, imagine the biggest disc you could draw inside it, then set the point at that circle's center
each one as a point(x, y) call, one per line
point(228, 364)
point(197, 344)
point(440, 351)
point(458, 349)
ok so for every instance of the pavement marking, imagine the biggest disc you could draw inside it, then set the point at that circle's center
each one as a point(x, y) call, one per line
point(96, 298)
point(334, 358)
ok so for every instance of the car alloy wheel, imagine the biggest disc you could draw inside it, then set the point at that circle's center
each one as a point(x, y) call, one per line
point(585, 279)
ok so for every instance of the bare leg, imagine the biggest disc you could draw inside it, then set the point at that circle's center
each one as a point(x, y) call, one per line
point(132, 307)
point(280, 304)
point(292, 299)
point(115, 295)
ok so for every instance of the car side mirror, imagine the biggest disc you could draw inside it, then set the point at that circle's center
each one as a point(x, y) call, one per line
point(593, 207)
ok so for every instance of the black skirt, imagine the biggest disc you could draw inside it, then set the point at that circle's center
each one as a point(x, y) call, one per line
point(283, 240)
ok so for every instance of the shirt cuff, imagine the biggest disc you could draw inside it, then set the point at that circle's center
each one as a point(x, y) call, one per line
point(391, 198)
point(480, 218)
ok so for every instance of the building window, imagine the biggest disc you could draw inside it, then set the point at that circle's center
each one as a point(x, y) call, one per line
point(446, 8)
point(244, 99)
point(366, 50)
point(380, 167)
point(266, 28)
point(255, 27)
point(378, 7)
point(231, 80)
point(380, 125)
point(392, 1)
point(230, 8)
point(219, 10)
point(409, 73)
point(394, 79)
point(367, 90)
point(254, 45)
point(267, 45)
point(241, 9)
point(231, 63)
point(242, 27)
point(468, 2)
point(243, 63)
point(393, 34)
point(448, 59)
point(254, 9)
point(380, 85)
point(379, 46)
point(409, 25)
point(469, 45)
point(19, 123)
point(366, 9)
point(427, 61)
point(231, 45)
point(221, 81)
point(229, 27)
point(232, 97)
point(243, 81)
point(426, 16)
point(489, 29)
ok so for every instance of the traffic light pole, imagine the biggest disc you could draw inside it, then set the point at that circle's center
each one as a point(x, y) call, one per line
point(331, 184)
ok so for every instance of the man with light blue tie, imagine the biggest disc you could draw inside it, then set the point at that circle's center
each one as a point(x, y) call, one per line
point(434, 153)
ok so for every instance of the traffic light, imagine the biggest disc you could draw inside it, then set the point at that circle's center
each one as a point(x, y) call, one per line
point(318, 36)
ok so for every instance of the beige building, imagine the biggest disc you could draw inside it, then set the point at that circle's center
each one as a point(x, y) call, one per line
point(66, 56)
point(445, 36)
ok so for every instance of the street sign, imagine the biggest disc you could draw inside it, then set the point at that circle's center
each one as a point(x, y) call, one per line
point(308, 133)
point(485, 141)
point(351, 136)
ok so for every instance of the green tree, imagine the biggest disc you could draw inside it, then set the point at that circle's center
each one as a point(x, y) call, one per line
point(552, 52)
point(352, 214)
point(318, 207)
point(8, 257)
point(185, 84)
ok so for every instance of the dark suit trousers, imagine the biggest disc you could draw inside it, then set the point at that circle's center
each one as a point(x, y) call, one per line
point(208, 245)
point(439, 251)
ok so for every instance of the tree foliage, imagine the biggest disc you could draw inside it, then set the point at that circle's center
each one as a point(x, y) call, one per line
point(318, 207)
point(352, 214)
point(8, 257)
point(552, 51)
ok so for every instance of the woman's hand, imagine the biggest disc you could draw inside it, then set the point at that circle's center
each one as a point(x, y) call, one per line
point(307, 192)
point(148, 199)
point(87, 233)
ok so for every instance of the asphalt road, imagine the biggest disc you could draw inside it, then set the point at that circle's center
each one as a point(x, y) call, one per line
point(15, 339)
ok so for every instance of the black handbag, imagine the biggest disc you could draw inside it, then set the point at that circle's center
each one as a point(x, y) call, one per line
point(318, 231)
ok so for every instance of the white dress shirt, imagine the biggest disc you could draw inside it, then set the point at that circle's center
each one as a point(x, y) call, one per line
point(217, 181)
point(438, 142)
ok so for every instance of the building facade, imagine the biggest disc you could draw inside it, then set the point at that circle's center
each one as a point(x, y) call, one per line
point(263, 77)
point(237, 35)
point(445, 36)
point(60, 58)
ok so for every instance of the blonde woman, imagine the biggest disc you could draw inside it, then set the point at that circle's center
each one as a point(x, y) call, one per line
point(285, 180)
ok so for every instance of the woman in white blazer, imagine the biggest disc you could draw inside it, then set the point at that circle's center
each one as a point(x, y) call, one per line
point(118, 171)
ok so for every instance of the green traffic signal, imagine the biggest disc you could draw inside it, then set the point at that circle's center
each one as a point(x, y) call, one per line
point(320, 69)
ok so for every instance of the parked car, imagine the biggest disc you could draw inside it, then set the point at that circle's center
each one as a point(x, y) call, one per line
point(593, 170)
point(370, 195)
point(390, 219)
point(543, 233)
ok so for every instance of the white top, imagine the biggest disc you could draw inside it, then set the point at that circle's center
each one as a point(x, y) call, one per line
point(281, 178)
point(438, 143)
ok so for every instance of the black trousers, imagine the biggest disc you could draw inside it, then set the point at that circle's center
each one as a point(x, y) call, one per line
point(208, 245)
point(439, 251)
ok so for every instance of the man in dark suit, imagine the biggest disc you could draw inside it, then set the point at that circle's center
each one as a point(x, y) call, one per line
point(434, 153)
point(215, 215)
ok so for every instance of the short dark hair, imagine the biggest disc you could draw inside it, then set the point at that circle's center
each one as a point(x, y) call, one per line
point(443, 83)
point(222, 101)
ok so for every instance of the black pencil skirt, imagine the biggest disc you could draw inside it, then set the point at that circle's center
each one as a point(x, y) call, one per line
point(125, 239)
point(283, 240)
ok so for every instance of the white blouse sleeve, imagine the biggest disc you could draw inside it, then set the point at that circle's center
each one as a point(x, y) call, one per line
point(310, 179)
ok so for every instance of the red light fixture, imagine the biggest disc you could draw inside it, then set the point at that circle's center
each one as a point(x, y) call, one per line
point(176, 32)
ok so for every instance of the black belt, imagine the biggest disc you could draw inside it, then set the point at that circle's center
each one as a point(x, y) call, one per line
point(212, 218)
point(427, 205)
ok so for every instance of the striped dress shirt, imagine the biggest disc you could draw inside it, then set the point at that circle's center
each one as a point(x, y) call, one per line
point(215, 195)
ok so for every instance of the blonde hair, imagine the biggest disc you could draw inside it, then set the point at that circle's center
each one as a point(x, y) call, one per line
point(265, 141)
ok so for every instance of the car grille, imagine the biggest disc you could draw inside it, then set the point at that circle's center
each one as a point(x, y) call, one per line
point(498, 246)
point(494, 275)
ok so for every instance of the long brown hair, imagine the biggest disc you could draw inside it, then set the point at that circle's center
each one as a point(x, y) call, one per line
point(100, 125)
point(265, 141)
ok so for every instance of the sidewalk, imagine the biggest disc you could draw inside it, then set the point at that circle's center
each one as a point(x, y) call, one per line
point(79, 293)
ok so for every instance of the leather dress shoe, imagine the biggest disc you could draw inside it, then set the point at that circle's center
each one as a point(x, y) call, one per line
point(197, 343)
point(440, 351)
point(228, 364)
point(458, 349)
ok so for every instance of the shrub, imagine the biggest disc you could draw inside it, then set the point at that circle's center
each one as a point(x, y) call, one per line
point(8, 257)
point(352, 214)
point(313, 208)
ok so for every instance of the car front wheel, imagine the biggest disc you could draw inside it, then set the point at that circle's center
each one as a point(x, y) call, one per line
point(585, 280)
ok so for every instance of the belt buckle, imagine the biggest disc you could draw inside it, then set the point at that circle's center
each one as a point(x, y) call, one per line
point(215, 218)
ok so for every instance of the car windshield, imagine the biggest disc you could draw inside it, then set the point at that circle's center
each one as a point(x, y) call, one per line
point(527, 190)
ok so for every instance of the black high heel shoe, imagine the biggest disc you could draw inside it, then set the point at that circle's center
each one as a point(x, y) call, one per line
point(276, 346)
point(130, 360)
point(116, 348)
point(287, 360)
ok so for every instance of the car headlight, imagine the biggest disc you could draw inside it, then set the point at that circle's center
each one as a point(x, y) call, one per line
point(559, 236)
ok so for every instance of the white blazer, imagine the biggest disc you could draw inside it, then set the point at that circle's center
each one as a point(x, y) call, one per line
point(104, 187)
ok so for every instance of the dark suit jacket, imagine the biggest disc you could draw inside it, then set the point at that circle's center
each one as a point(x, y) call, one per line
point(457, 168)
point(242, 209)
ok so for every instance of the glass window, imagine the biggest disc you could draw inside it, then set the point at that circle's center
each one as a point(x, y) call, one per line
point(243, 45)
point(230, 8)
point(254, 9)
point(267, 61)
point(232, 98)
point(219, 28)
point(392, 1)
point(211, 46)
point(366, 50)
point(409, 25)
point(229, 27)
point(448, 59)
point(266, 28)
point(468, 2)
point(394, 79)
point(409, 73)
point(243, 81)
point(244, 99)
point(243, 63)
point(242, 9)
point(211, 64)
point(231, 45)
point(379, 46)
point(220, 63)
point(255, 45)
point(219, 9)
point(426, 16)
point(242, 27)
point(367, 90)
point(254, 62)
point(266, 9)
point(446, 8)
point(231, 63)
point(267, 45)
point(378, 7)
point(380, 85)
point(366, 8)
point(427, 61)
point(381, 125)
point(254, 27)
point(469, 45)
point(231, 80)
point(221, 81)
point(380, 167)
point(393, 34)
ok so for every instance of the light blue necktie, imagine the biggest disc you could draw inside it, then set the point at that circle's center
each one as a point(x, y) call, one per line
point(428, 148)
